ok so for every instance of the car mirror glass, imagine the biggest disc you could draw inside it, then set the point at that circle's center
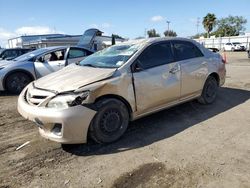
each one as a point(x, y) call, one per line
point(137, 66)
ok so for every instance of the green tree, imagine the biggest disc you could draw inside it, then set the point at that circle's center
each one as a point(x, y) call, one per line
point(170, 33)
point(209, 22)
point(230, 26)
point(152, 33)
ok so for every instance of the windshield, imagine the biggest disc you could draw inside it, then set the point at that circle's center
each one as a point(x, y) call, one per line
point(235, 43)
point(112, 57)
point(27, 56)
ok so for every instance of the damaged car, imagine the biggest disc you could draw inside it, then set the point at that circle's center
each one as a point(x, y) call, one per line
point(17, 73)
point(104, 92)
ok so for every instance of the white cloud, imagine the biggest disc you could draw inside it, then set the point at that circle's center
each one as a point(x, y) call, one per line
point(157, 18)
point(4, 36)
point(35, 30)
point(26, 30)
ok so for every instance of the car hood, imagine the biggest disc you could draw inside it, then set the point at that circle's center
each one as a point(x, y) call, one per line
point(72, 77)
point(5, 62)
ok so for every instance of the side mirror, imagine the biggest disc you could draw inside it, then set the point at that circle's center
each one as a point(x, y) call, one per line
point(137, 67)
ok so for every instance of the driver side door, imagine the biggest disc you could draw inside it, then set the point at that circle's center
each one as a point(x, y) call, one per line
point(49, 62)
point(156, 78)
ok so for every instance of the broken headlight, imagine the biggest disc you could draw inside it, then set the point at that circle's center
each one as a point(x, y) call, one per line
point(67, 100)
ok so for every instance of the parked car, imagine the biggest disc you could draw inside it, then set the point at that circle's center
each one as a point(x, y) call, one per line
point(16, 74)
point(248, 50)
point(12, 53)
point(99, 96)
point(234, 46)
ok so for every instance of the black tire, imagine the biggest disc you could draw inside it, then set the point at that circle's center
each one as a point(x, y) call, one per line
point(15, 82)
point(110, 121)
point(209, 91)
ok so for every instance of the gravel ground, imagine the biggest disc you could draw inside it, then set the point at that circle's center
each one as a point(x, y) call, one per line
point(190, 145)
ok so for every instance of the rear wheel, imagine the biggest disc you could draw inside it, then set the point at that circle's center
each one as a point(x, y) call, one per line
point(110, 122)
point(209, 91)
point(16, 82)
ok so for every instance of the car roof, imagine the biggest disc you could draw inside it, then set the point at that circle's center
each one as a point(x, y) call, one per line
point(154, 40)
point(55, 47)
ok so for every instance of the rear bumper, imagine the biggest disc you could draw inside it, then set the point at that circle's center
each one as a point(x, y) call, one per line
point(74, 121)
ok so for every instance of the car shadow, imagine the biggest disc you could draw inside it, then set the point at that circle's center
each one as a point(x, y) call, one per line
point(164, 124)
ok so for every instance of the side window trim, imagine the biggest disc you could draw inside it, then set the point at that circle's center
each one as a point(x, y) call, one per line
point(188, 42)
point(161, 42)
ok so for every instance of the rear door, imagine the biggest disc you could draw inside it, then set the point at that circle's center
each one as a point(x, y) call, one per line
point(194, 67)
point(156, 77)
point(75, 55)
point(50, 62)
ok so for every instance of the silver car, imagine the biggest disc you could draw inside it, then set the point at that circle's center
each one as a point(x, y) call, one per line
point(16, 74)
point(99, 96)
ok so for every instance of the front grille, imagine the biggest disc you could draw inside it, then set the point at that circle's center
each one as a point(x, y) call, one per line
point(35, 96)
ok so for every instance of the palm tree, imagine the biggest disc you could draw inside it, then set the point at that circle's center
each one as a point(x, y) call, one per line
point(209, 22)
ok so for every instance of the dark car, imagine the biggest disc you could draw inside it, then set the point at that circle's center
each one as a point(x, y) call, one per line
point(12, 53)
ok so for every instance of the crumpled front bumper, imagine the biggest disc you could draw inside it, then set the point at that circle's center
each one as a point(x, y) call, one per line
point(74, 121)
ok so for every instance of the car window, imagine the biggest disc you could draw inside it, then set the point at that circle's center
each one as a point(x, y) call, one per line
point(113, 56)
point(158, 54)
point(54, 56)
point(186, 50)
point(11, 53)
point(75, 53)
point(228, 43)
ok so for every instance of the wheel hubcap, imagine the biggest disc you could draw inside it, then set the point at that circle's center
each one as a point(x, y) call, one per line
point(211, 90)
point(18, 83)
point(111, 122)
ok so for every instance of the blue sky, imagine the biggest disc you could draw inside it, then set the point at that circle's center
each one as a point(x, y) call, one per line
point(127, 18)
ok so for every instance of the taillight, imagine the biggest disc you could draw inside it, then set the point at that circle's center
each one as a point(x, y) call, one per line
point(224, 58)
point(224, 61)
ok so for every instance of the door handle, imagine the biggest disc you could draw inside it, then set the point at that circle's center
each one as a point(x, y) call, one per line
point(174, 70)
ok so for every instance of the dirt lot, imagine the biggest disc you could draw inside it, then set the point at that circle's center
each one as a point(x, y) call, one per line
point(190, 145)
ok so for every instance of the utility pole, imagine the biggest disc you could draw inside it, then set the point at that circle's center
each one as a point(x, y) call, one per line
point(197, 25)
point(168, 22)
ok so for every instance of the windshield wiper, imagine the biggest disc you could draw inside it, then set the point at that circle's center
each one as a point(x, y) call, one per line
point(89, 65)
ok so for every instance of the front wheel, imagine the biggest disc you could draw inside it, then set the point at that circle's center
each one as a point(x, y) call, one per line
point(209, 91)
point(16, 82)
point(110, 122)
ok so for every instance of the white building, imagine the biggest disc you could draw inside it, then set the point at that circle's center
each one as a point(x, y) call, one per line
point(92, 39)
